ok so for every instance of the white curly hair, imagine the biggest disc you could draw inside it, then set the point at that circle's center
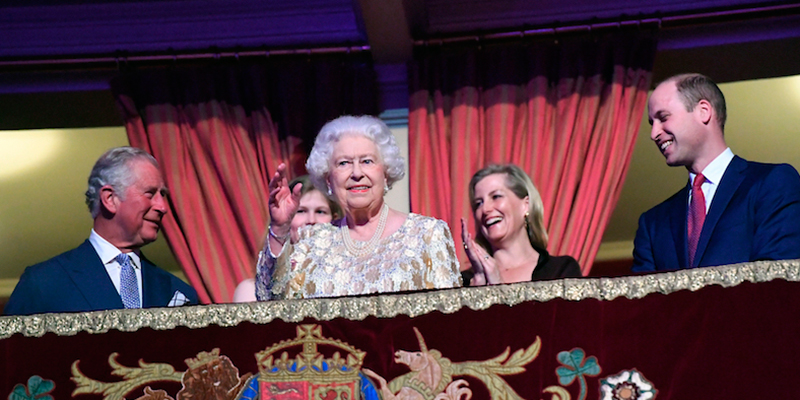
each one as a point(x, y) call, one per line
point(318, 164)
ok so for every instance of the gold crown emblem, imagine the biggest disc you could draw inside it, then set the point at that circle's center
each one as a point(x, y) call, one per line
point(309, 363)
point(203, 357)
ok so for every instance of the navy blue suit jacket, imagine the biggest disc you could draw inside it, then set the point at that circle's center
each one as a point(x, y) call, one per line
point(77, 281)
point(754, 215)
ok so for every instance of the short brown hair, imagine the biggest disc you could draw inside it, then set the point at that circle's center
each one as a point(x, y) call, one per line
point(696, 87)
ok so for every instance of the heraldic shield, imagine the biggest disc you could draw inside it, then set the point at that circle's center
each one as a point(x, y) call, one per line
point(299, 369)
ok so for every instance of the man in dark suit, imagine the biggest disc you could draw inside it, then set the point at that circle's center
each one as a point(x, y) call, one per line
point(127, 199)
point(732, 210)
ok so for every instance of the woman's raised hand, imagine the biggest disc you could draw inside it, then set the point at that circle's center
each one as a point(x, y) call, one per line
point(283, 202)
point(483, 265)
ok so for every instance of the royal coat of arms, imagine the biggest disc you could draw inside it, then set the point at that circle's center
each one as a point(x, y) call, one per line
point(314, 367)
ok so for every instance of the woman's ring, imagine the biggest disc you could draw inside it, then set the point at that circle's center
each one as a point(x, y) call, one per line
point(485, 257)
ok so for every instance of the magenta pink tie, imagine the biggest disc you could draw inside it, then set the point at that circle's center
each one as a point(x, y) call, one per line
point(697, 215)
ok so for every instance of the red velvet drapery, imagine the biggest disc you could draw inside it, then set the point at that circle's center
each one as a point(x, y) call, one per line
point(733, 336)
point(218, 132)
point(566, 111)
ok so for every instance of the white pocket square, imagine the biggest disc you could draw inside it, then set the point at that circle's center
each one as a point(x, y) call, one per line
point(178, 299)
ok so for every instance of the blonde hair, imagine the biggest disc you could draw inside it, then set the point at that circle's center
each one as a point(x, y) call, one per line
point(521, 185)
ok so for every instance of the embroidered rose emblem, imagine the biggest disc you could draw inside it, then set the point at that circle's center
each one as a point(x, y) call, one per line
point(627, 385)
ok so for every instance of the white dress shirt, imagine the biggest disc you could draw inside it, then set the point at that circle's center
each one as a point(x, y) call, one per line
point(108, 254)
point(713, 173)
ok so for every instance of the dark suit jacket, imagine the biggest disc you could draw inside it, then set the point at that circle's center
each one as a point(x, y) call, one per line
point(77, 281)
point(754, 215)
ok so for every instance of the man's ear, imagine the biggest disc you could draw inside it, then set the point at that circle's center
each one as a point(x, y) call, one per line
point(108, 199)
point(705, 111)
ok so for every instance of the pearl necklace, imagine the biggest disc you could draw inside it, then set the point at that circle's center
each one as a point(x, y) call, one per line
point(361, 249)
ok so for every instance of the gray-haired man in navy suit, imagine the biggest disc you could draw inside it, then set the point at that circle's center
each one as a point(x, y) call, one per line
point(127, 199)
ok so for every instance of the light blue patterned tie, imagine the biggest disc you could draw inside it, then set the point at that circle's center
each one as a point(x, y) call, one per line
point(128, 284)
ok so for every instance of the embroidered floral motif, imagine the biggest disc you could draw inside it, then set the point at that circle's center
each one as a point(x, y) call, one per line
point(575, 367)
point(627, 385)
point(37, 389)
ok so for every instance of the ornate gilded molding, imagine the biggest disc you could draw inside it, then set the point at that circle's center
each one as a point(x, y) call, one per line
point(391, 305)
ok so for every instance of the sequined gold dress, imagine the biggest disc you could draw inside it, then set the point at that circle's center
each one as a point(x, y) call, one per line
point(419, 255)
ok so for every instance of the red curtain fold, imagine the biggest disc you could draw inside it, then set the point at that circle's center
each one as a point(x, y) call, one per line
point(566, 112)
point(218, 133)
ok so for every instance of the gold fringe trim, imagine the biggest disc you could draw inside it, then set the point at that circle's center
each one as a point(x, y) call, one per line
point(391, 305)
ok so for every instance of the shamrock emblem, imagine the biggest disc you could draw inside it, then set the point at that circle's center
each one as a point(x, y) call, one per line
point(576, 367)
point(37, 389)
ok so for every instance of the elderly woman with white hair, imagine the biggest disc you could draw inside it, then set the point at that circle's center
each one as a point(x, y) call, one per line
point(373, 249)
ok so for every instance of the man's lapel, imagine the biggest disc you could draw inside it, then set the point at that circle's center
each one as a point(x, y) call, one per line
point(91, 279)
point(155, 289)
point(677, 223)
point(731, 179)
